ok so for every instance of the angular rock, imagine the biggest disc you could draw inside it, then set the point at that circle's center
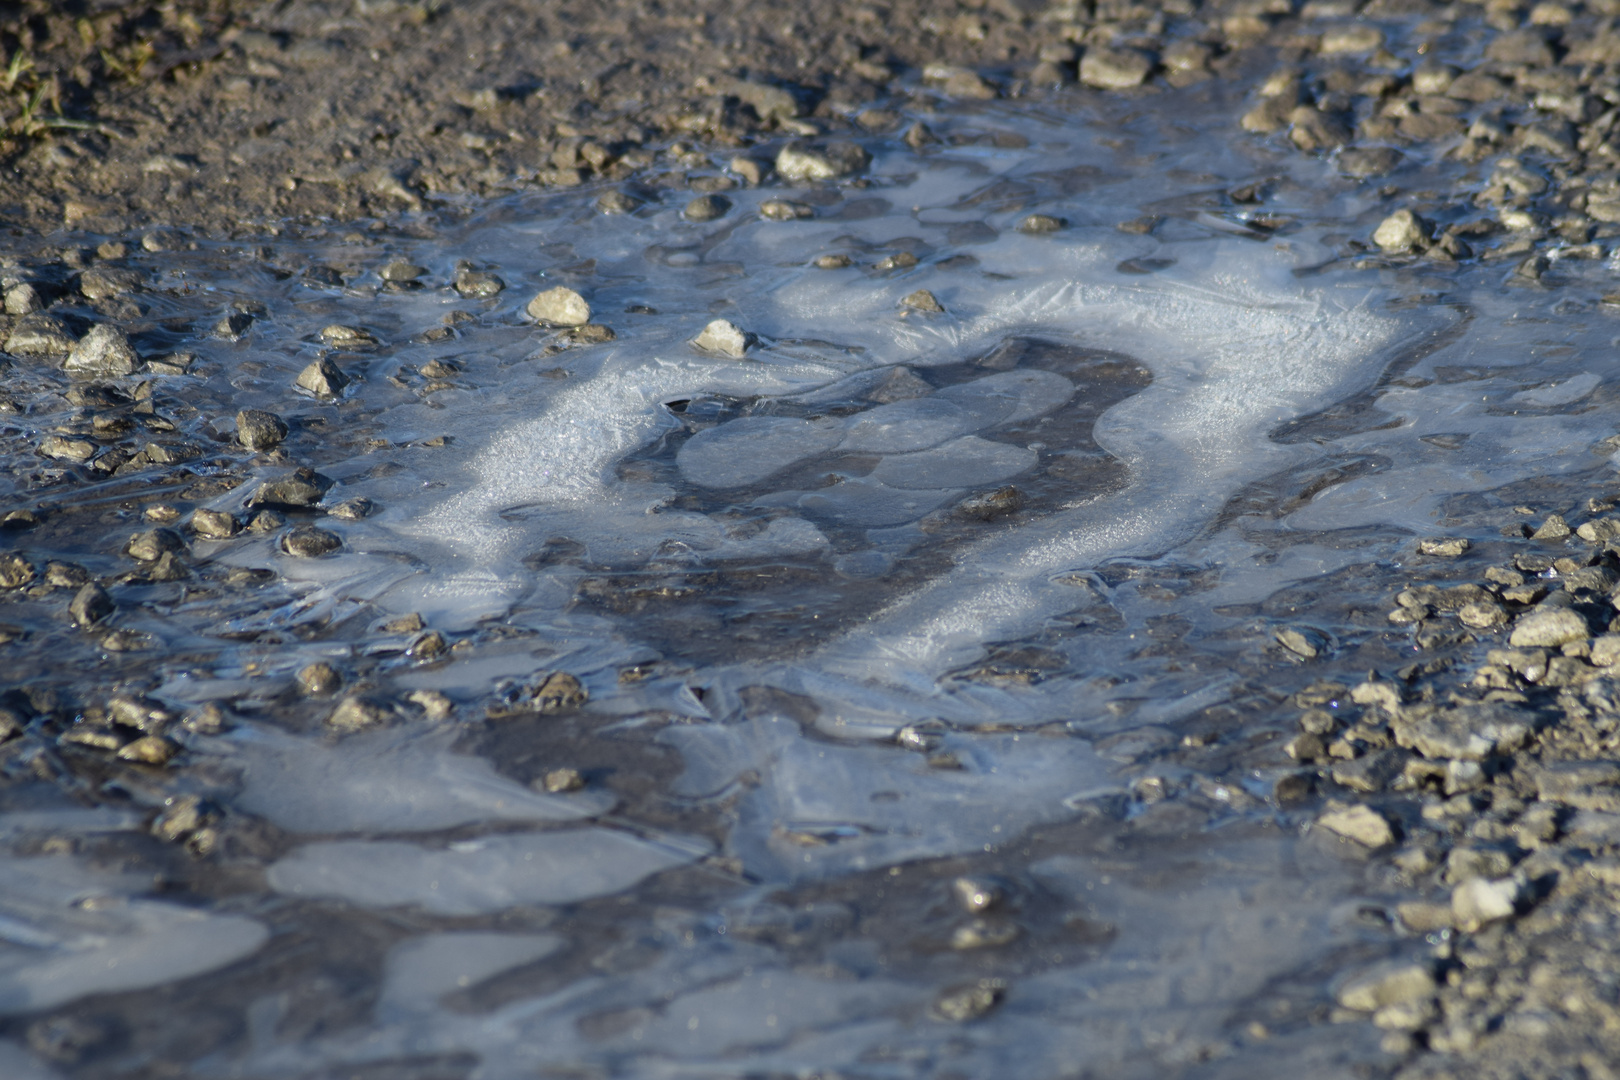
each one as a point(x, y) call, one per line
point(559, 307)
point(1402, 231)
point(356, 714)
point(478, 284)
point(924, 301)
point(105, 282)
point(318, 679)
point(1305, 641)
point(707, 208)
point(1393, 983)
point(303, 488)
point(347, 337)
point(1362, 824)
point(322, 378)
point(1463, 732)
point(1599, 530)
point(214, 524)
point(784, 210)
point(1114, 69)
point(260, 430)
point(15, 571)
point(150, 546)
point(59, 448)
point(233, 326)
point(827, 163)
point(1041, 224)
point(308, 542)
point(1443, 546)
point(101, 354)
point(725, 338)
point(1548, 628)
point(90, 605)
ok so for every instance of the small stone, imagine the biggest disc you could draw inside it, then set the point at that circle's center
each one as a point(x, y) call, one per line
point(183, 815)
point(356, 714)
point(1351, 38)
point(998, 503)
point(1304, 641)
point(918, 136)
point(725, 338)
point(1364, 162)
point(405, 624)
point(104, 283)
point(924, 301)
point(347, 337)
point(318, 679)
point(961, 1004)
point(1482, 616)
point(428, 646)
point(39, 335)
point(1554, 528)
point(149, 750)
point(1481, 901)
point(828, 163)
point(402, 271)
point(593, 334)
point(1306, 746)
point(90, 605)
point(18, 519)
point(302, 489)
point(1393, 983)
point(1548, 628)
point(15, 571)
point(478, 285)
point(308, 542)
point(1362, 824)
point(322, 378)
point(707, 208)
point(969, 85)
point(209, 718)
point(1402, 231)
point(353, 509)
point(749, 169)
point(617, 202)
point(900, 260)
point(1041, 224)
point(1443, 546)
point(1114, 69)
point(1599, 531)
point(24, 298)
point(434, 705)
point(831, 262)
point(561, 781)
point(150, 546)
point(63, 449)
point(233, 326)
point(102, 353)
point(260, 430)
point(983, 934)
point(1605, 650)
point(784, 210)
point(558, 691)
point(559, 307)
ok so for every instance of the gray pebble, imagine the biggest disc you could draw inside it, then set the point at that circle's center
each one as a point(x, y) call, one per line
point(478, 284)
point(832, 262)
point(1041, 224)
point(402, 271)
point(303, 488)
point(266, 521)
point(707, 208)
point(322, 378)
point(24, 298)
point(900, 260)
point(260, 430)
point(352, 509)
point(104, 283)
point(347, 337)
point(90, 605)
point(214, 525)
point(150, 546)
point(357, 714)
point(922, 300)
point(1007, 500)
point(783, 210)
point(827, 163)
point(961, 1004)
point(617, 202)
point(318, 679)
point(724, 337)
point(559, 307)
point(308, 542)
point(15, 571)
point(233, 326)
point(103, 353)
point(1114, 69)
point(60, 448)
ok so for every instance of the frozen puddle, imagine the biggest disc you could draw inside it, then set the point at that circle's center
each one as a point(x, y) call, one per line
point(899, 599)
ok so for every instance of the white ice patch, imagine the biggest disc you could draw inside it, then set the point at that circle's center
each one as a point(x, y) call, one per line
point(475, 877)
point(1566, 392)
point(67, 931)
point(753, 448)
point(422, 970)
point(385, 781)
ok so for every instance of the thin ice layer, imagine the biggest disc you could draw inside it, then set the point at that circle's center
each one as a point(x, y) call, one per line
point(966, 462)
point(753, 448)
point(475, 877)
point(67, 931)
point(385, 781)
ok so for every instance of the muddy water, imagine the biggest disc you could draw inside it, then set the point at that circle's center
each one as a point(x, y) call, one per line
point(900, 632)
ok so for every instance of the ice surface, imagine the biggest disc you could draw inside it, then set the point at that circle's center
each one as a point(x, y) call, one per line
point(961, 463)
point(67, 930)
point(752, 448)
point(910, 425)
point(422, 970)
point(385, 781)
point(476, 876)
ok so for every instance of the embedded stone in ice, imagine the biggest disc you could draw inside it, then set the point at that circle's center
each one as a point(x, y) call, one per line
point(908, 425)
point(966, 462)
point(1562, 393)
point(67, 931)
point(871, 505)
point(475, 877)
point(386, 781)
point(1010, 396)
point(422, 970)
point(753, 448)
